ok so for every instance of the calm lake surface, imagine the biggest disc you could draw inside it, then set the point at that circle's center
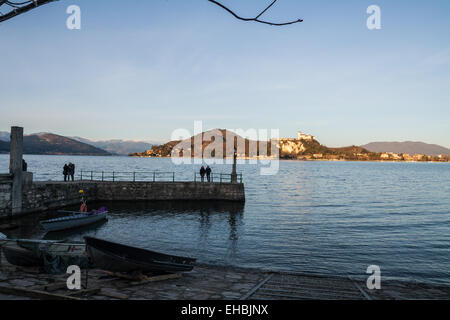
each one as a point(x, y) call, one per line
point(325, 217)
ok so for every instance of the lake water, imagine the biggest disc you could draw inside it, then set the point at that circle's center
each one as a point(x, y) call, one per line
point(326, 217)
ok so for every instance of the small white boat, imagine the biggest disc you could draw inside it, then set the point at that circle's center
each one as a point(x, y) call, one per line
point(77, 219)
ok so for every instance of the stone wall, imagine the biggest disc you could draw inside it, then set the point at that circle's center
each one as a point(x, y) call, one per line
point(5, 197)
point(40, 196)
point(170, 191)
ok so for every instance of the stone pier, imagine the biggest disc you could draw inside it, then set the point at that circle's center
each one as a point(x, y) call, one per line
point(15, 169)
point(41, 196)
point(5, 195)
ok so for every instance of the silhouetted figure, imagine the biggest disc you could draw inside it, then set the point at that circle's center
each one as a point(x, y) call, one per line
point(72, 171)
point(208, 173)
point(66, 172)
point(202, 173)
point(24, 165)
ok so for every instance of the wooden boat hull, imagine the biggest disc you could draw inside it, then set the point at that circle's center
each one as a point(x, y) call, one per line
point(53, 256)
point(71, 222)
point(18, 256)
point(116, 257)
point(55, 248)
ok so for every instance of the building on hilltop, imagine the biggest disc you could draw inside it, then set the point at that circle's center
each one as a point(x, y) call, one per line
point(302, 136)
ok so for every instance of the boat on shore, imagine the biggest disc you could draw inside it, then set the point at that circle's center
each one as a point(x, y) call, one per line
point(18, 256)
point(75, 220)
point(58, 248)
point(117, 257)
point(35, 253)
point(26, 242)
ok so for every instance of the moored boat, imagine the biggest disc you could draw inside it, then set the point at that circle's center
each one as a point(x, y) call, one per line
point(38, 253)
point(117, 257)
point(57, 248)
point(76, 220)
point(20, 252)
point(18, 256)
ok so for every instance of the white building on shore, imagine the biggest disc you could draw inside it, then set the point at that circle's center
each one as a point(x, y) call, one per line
point(302, 136)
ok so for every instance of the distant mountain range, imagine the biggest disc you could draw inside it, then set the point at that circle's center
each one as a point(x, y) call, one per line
point(49, 143)
point(4, 146)
point(4, 136)
point(165, 150)
point(288, 148)
point(301, 148)
point(408, 147)
point(120, 147)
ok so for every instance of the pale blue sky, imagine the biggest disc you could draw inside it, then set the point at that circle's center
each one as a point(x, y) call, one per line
point(142, 70)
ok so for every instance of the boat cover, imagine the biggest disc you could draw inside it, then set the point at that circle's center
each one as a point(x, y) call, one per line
point(57, 264)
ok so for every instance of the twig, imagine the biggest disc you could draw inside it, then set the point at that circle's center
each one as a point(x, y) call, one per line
point(256, 19)
point(22, 7)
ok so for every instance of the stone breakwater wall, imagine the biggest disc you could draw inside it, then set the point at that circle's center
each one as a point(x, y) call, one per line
point(40, 196)
point(5, 195)
point(126, 191)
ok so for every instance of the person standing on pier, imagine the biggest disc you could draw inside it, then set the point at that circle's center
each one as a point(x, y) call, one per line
point(208, 173)
point(202, 173)
point(66, 171)
point(72, 170)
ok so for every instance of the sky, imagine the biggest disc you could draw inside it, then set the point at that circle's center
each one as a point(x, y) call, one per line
point(141, 69)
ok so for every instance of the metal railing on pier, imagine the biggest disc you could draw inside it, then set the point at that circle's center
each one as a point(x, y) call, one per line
point(134, 176)
point(152, 176)
point(218, 177)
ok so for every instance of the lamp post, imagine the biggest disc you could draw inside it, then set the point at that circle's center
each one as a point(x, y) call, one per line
point(233, 173)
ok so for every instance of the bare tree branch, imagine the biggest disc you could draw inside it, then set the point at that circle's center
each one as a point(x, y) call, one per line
point(256, 19)
point(262, 12)
point(20, 7)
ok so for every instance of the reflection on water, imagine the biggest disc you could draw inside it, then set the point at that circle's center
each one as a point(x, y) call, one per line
point(152, 221)
point(328, 217)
